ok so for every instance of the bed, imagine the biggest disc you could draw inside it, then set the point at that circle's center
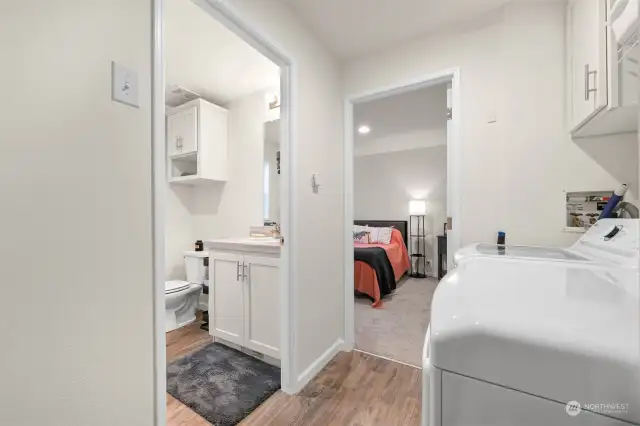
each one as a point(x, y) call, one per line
point(378, 267)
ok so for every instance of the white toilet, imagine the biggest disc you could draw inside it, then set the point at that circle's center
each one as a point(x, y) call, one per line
point(181, 297)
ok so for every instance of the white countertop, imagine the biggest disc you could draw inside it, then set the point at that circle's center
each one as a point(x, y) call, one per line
point(245, 244)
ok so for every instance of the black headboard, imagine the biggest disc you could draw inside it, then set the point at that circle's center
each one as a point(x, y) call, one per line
point(400, 225)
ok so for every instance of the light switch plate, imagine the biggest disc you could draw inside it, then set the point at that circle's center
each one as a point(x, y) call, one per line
point(124, 85)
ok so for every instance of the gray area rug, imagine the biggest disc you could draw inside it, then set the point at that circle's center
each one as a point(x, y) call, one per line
point(398, 329)
point(221, 384)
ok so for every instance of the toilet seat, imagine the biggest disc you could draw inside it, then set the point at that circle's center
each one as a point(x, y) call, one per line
point(175, 286)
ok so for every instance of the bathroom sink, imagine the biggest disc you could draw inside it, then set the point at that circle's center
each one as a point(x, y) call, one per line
point(262, 240)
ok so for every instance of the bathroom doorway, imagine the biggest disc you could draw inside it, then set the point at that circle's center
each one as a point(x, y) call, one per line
point(188, 184)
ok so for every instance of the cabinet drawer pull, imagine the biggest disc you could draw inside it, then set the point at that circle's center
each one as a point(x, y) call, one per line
point(587, 86)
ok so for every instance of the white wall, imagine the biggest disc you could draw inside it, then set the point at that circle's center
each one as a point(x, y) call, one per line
point(514, 171)
point(229, 209)
point(402, 142)
point(180, 232)
point(76, 246)
point(318, 294)
point(383, 185)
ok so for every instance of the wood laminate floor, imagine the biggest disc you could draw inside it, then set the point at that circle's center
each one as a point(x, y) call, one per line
point(355, 389)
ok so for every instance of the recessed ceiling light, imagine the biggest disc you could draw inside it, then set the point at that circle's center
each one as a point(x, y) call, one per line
point(363, 130)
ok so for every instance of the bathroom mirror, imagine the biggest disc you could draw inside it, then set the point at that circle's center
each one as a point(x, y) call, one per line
point(271, 203)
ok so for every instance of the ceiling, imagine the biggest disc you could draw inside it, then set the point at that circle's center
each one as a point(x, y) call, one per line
point(406, 113)
point(205, 57)
point(354, 27)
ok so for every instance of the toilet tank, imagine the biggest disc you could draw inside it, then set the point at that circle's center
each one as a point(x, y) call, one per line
point(194, 264)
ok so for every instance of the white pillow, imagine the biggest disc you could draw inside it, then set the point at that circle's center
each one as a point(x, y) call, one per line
point(380, 235)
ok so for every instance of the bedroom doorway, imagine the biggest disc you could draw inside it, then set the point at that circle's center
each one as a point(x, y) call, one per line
point(401, 203)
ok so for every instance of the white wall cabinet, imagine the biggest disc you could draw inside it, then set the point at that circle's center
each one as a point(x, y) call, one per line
point(244, 300)
point(197, 143)
point(597, 80)
point(182, 131)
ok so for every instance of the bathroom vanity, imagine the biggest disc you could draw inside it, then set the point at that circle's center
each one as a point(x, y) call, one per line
point(244, 293)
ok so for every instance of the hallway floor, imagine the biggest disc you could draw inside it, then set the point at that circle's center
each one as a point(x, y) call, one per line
point(354, 389)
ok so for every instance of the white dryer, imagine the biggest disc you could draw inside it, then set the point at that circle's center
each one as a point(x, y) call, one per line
point(516, 342)
point(612, 242)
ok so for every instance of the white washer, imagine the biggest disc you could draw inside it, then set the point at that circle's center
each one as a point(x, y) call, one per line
point(514, 342)
point(612, 242)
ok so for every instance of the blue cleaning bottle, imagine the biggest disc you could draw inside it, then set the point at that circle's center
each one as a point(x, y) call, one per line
point(613, 202)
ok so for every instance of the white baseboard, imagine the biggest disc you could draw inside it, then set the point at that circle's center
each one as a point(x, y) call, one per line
point(346, 347)
point(317, 365)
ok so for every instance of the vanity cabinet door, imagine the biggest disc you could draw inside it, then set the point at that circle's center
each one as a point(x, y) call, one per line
point(226, 295)
point(262, 305)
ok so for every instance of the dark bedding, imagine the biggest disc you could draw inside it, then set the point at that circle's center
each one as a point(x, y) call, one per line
point(377, 258)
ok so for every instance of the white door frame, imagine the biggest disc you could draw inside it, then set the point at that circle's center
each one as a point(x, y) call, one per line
point(453, 176)
point(230, 18)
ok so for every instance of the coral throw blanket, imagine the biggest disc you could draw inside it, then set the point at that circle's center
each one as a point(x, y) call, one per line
point(365, 277)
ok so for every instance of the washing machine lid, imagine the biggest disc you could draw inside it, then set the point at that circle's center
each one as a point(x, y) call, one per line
point(175, 286)
point(542, 253)
point(558, 330)
point(610, 242)
point(552, 254)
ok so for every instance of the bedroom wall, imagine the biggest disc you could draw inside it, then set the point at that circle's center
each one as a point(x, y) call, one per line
point(385, 183)
point(514, 171)
point(75, 179)
point(318, 298)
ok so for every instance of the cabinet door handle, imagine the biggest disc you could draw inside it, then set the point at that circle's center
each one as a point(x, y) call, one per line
point(587, 86)
point(244, 271)
point(238, 271)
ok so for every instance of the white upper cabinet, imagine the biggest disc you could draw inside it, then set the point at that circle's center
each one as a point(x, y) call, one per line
point(597, 81)
point(589, 58)
point(182, 131)
point(197, 143)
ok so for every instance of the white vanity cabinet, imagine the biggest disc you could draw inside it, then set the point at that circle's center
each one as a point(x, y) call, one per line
point(244, 299)
point(197, 143)
point(598, 80)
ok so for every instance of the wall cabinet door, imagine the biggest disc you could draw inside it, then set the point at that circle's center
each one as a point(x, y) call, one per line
point(262, 305)
point(182, 132)
point(226, 295)
point(588, 59)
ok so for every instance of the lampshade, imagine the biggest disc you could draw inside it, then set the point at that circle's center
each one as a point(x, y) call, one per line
point(417, 207)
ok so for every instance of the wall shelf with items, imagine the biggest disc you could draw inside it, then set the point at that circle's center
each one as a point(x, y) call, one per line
point(197, 143)
point(604, 73)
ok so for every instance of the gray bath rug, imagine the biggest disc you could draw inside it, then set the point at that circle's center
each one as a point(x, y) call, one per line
point(221, 384)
